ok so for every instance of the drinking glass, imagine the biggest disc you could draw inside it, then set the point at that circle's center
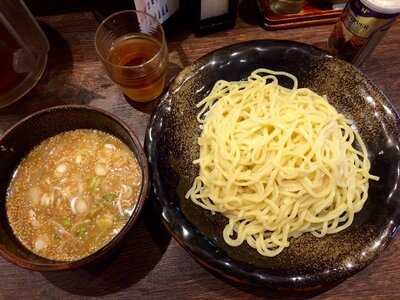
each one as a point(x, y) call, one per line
point(132, 47)
point(23, 51)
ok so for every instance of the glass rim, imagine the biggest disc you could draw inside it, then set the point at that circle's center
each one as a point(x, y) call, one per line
point(159, 52)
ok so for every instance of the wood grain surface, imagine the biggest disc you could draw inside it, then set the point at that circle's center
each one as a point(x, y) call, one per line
point(149, 264)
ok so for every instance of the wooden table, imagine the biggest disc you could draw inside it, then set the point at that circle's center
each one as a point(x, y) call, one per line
point(151, 265)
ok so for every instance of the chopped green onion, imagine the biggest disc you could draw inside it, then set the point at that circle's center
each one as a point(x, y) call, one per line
point(94, 183)
point(66, 223)
point(81, 232)
point(110, 197)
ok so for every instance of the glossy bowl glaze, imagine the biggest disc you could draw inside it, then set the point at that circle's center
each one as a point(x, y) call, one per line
point(29, 132)
point(308, 261)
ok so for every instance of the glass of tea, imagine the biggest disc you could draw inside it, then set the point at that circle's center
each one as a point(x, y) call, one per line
point(131, 44)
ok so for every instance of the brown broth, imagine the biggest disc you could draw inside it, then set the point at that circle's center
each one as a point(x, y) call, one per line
point(73, 193)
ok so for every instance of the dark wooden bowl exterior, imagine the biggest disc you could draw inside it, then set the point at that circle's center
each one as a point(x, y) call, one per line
point(29, 132)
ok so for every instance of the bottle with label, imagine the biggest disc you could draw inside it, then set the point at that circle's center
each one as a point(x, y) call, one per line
point(208, 16)
point(361, 27)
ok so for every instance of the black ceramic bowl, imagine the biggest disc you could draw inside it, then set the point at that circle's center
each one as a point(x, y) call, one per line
point(308, 261)
point(29, 132)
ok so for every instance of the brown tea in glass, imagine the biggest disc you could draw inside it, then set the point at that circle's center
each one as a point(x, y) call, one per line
point(132, 47)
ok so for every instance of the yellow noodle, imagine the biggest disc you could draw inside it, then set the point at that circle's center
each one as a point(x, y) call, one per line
point(277, 162)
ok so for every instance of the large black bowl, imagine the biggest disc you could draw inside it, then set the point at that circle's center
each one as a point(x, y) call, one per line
point(308, 261)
